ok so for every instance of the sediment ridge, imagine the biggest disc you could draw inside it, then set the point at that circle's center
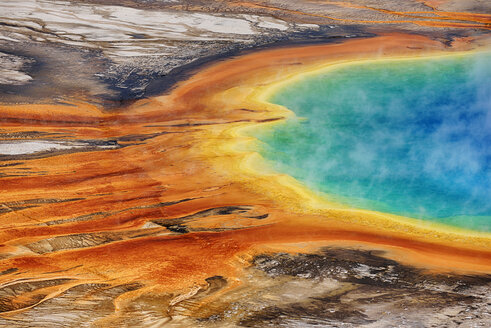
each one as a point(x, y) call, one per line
point(164, 213)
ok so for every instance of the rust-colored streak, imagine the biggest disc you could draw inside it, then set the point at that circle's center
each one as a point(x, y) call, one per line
point(442, 19)
point(106, 219)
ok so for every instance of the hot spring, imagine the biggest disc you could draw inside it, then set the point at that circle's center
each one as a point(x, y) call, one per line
point(410, 137)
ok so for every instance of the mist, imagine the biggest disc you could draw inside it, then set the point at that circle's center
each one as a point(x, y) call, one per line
point(409, 137)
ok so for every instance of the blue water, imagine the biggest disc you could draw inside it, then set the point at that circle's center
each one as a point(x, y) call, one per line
point(408, 137)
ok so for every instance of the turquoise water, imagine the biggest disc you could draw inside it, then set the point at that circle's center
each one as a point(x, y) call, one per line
point(408, 137)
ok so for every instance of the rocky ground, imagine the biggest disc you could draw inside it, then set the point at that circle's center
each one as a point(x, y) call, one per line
point(77, 189)
point(337, 287)
point(110, 52)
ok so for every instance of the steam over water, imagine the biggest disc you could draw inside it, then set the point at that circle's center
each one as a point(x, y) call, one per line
point(409, 137)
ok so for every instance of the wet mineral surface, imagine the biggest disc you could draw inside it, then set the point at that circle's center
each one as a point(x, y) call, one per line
point(120, 206)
